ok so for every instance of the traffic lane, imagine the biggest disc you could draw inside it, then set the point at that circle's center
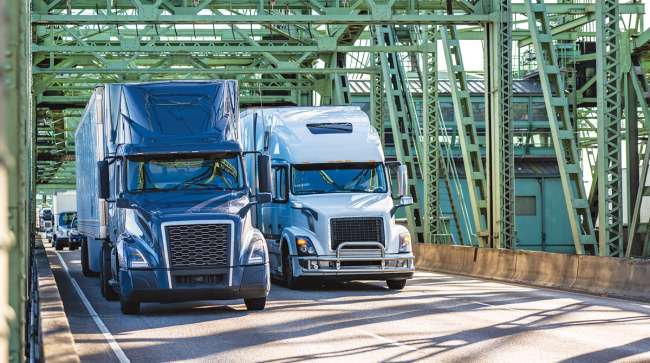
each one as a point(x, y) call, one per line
point(437, 316)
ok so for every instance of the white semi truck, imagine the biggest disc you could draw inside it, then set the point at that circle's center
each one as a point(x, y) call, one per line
point(65, 211)
point(333, 214)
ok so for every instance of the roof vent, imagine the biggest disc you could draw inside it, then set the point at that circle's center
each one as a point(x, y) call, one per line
point(330, 128)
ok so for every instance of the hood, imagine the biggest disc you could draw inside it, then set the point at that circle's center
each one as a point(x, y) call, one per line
point(347, 204)
point(189, 202)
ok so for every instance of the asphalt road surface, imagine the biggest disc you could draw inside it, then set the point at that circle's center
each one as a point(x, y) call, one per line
point(437, 317)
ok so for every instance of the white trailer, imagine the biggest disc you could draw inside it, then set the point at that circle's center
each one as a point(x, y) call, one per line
point(65, 211)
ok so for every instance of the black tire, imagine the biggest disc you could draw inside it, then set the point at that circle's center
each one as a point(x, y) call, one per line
point(58, 245)
point(129, 307)
point(396, 284)
point(105, 275)
point(255, 304)
point(85, 261)
point(73, 246)
point(287, 271)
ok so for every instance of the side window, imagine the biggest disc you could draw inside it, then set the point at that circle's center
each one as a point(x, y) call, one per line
point(280, 184)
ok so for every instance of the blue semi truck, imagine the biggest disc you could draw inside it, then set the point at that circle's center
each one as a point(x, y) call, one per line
point(163, 204)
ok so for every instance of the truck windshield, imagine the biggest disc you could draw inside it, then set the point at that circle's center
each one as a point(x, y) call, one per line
point(209, 172)
point(65, 219)
point(338, 178)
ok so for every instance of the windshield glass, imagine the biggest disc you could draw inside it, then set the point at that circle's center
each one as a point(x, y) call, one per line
point(207, 172)
point(338, 178)
point(65, 219)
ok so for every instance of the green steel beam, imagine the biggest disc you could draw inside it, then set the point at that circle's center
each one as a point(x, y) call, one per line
point(469, 142)
point(404, 125)
point(500, 150)
point(433, 231)
point(385, 18)
point(564, 142)
point(608, 86)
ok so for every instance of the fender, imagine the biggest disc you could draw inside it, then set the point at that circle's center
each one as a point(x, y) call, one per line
point(290, 233)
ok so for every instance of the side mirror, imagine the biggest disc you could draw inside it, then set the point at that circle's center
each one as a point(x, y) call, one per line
point(402, 180)
point(262, 198)
point(102, 179)
point(406, 200)
point(264, 174)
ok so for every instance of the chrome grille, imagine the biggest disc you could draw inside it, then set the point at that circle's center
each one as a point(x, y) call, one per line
point(198, 245)
point(356, 229)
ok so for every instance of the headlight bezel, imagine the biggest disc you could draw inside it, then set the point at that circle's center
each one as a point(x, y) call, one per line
point(257, 251)
point(305, 248)
point(404, 243)
point(133, 258)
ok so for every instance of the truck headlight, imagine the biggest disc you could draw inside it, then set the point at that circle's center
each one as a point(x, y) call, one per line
point(305, 247)
point(257, 253)
point(134, 258)
point(404, 242)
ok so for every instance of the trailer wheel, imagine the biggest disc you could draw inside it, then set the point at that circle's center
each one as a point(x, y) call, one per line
point(85, 261)
point(255, 304)
point(105, 274)
point(396, 284)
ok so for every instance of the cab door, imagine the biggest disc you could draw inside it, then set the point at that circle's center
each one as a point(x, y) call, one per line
point(274, 215)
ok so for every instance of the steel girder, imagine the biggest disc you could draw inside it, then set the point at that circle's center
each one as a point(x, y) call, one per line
point(500, 150)
point(608, 85)
point(469, 142)
point(564, 142)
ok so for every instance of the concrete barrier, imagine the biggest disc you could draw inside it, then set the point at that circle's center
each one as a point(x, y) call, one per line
point(494, 264)
point(592, 274)
point(546, 269)
point(57, 341)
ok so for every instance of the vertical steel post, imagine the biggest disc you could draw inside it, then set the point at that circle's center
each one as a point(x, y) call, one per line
point(498, 95)
point(610, 223)
point(432, 225)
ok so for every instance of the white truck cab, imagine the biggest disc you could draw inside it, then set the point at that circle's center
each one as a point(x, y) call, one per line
point(333, 212)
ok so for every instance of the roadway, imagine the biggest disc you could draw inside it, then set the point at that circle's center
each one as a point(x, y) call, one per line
point(437, 317)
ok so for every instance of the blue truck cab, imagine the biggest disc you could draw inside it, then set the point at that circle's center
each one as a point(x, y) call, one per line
point(164, 207)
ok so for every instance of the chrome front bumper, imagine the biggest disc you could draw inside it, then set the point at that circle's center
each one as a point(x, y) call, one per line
point(351, 261)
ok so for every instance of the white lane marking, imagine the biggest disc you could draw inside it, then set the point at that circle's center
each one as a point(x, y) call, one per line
point(389, 341)
point(119, 353)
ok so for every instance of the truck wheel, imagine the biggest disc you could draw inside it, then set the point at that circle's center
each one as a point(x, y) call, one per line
point(287, 272)
point(396, 284)
point(129, 307)
point(72, 246)
point(58, 245)
point(104, 276)
point(85, 261)
point(254, 304)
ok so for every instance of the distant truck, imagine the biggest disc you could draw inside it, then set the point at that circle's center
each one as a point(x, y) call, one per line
point(65, 211)
point(332, 215)
point(163, 205)
point(46, 220)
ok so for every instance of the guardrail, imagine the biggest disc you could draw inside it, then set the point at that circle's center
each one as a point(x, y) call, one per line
point(607, 276)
